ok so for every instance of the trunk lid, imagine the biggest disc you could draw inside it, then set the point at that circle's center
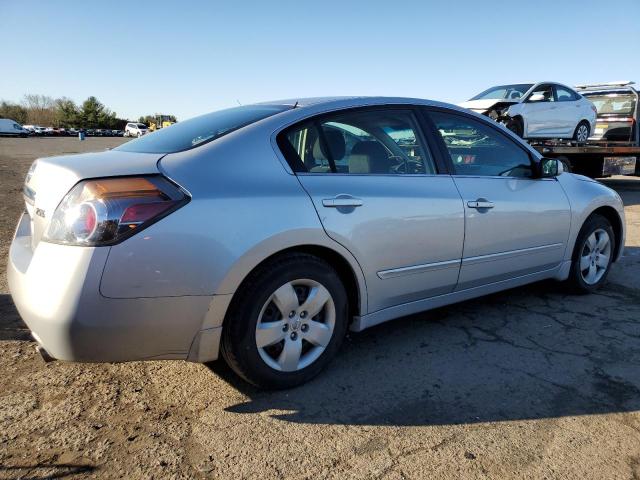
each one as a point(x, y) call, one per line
point(50, 179)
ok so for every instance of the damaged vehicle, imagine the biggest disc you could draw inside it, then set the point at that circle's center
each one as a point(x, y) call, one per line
point(541, 110)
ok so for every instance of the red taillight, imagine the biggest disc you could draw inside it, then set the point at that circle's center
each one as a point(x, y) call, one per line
point(139, 213)
point(90, 219)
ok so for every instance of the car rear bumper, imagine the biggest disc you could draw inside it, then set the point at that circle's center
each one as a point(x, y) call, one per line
point(56, 291)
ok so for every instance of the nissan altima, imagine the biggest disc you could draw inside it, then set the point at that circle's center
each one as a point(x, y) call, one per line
point(262, 233)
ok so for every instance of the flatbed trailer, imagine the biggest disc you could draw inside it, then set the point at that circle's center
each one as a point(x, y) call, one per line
point(594, 159)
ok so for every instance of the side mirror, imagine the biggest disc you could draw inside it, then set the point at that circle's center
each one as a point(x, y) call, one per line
point(551, 167)
point(537, 97)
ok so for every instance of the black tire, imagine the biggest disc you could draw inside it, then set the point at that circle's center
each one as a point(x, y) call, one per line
point(579, 132)
point(239, 348)
point(516, 126)
point(576, 281)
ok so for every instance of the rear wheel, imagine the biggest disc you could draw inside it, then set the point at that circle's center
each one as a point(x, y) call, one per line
point(286, 323)
point(582, 132)
point(592, 255)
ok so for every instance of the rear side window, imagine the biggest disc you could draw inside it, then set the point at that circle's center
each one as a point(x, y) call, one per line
point(480, 150)
point(565, 94)
point(200, 130)
point(359, 142)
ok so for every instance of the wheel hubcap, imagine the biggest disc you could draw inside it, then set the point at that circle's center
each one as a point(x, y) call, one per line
point(295, 325)
point(595, 255)
point(583, 133)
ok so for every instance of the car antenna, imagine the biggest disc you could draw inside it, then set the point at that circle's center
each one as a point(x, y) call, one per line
point(295, 105)
point(238, 102)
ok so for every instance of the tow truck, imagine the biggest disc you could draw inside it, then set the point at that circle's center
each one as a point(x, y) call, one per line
point(614, 146)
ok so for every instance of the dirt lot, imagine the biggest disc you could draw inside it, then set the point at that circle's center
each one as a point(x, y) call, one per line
point(529, 383)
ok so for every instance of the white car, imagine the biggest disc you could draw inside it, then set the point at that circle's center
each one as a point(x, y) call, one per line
point(135, 130)
point(538, 110)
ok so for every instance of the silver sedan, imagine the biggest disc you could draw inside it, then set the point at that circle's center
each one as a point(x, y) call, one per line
point(264, 232)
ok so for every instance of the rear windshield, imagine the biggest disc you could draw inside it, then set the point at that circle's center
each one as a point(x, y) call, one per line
point(199, 130)
point(141, 125)
point(617, 103)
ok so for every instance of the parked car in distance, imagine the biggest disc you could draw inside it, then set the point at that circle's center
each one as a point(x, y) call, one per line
point(135, 129)
point(264, 232)
point(90, 132)
point(618, 106)
point(30, 129)
point(40, 131)
point(538, 110)
point(11, 128)
point(117, 133)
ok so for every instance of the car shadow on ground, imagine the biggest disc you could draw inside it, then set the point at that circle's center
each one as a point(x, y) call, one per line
point(47, 471)
point(11, 325)
point(531, 352)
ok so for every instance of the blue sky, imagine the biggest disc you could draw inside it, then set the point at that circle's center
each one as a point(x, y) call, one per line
point(188, 58)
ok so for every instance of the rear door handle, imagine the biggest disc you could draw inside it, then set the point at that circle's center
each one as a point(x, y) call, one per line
point(342, 202)
point(480, 204)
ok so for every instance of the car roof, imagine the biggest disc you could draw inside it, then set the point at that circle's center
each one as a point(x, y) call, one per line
point(320, 103)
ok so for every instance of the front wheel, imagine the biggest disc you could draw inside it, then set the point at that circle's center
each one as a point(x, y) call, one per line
point(516, 126)
point(582, 132)
point(286, 323)
point(592, 255)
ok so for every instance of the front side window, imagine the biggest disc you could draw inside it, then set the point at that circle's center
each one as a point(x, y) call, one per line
point(359, 142)
point(478, 149)
point(565, 95)
point(543, 93)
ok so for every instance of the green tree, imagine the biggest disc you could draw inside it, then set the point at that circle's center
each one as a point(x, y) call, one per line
point(66, 113)
point(14, 112)
point(91, 113)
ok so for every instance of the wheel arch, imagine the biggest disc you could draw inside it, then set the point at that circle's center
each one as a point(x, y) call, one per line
point(614, 219)
point(339, 258)
point(519, 117)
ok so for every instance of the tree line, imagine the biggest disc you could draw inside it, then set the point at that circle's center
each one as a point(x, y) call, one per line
point(64, 113)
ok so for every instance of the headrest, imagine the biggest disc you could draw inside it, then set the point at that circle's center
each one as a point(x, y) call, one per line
point(369, 157)
point(335, 141)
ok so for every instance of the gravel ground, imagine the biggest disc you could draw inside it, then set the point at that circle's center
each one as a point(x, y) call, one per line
point(528, 383)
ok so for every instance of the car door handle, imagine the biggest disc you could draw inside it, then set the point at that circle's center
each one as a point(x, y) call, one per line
point(342, 202)
point(480, 204)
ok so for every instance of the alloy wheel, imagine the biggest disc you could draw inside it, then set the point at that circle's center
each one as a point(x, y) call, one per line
point(595, 255)
point(295, 325)
point(582, 134)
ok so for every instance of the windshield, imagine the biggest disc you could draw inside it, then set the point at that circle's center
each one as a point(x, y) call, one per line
point(615, 103)
point(196, 131)
point(504, 92)
point(141, 125)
